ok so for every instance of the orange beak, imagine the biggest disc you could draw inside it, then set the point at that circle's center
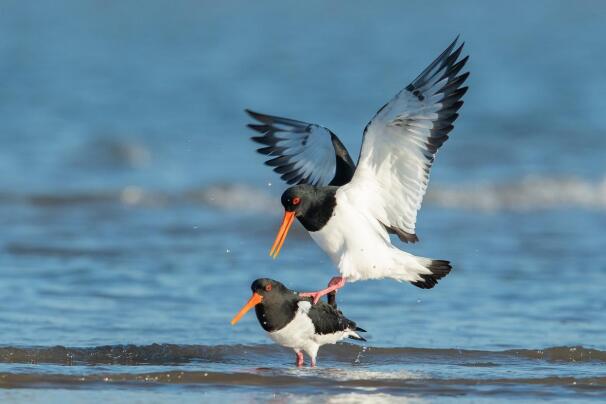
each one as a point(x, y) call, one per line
point(254, 300)
point(286, 223)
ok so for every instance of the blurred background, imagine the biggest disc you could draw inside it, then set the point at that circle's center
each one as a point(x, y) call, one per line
point(134, 209)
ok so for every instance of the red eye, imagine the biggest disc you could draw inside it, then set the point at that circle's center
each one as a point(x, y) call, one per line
point(296, 200)
point(268, 288)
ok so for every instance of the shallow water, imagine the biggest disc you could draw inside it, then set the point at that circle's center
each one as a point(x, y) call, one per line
point(135, 214)
point(558, 372)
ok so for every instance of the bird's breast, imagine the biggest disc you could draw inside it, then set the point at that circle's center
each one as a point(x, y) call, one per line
point(356, 243)
point(330, 238)
point(296, 334)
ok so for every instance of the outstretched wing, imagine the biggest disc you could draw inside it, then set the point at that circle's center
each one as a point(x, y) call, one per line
point(301, 152)
point(401, 141)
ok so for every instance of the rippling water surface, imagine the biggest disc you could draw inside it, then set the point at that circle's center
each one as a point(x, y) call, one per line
point(135, 214)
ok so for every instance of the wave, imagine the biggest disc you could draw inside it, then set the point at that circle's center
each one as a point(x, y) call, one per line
point(529, 193)
point(221, 196)
point(311, 380)
point(526, 194)
point(344, 369)
point(167, 354)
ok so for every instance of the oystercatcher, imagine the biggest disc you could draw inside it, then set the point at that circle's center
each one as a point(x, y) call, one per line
point(350, 210)
point(293, 322)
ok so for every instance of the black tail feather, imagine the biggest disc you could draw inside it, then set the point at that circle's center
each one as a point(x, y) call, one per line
point(358, 337)
point(439, 269)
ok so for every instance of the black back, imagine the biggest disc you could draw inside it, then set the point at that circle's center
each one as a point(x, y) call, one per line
point(328, 320)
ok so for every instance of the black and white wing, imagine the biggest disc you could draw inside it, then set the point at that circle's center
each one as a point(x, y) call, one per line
point(401, 141)
point(301, 152)
point(328, 320)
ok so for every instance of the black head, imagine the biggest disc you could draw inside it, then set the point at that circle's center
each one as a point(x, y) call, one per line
point(298, 199)
point(313, 206)
point(278, 305)
point(273, 302)
point(269, 289)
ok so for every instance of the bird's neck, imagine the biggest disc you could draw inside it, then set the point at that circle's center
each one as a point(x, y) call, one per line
point(275, 315)
point(320, 209)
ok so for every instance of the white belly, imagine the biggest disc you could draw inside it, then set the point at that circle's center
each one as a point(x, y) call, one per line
point(299, 333)
point(359, 246)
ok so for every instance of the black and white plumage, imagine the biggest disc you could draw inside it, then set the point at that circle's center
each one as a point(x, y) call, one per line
point(401, 141)
point(352, 221)
point(293, 322)
point(302, 153)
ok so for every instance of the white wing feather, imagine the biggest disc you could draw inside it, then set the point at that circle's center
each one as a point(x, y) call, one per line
point(400, 144)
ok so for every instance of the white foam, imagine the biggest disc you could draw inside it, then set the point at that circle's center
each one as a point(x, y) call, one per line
point(529, 193)
point(239, 197)
point(524, 194)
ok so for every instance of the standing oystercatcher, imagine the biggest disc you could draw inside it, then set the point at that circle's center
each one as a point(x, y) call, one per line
point(293, 322)
point(350, 210)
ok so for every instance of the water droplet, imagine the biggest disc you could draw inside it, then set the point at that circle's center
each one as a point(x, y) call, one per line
point(227, 251)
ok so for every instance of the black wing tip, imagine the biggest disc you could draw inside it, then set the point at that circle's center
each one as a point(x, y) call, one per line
point(455, 41)
point(453, 64)
point(265, 140)
point(461, 92)
point(251, 113)
point(453, 92)
point(270, 150)
point(452, 49)
point(263, 118)
point(258, 127)
point(463, 60)
point(439, 269)
point(359, 329)
point(446, 65)
point(449, 48)
point(254, 115)
point(408, 237)
point(403, 235)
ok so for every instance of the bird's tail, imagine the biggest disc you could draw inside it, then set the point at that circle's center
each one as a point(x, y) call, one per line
point(422, 272)
point(355, 335)
point(437, 268)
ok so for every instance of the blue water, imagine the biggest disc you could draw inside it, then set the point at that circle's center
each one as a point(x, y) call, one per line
point(135, 213)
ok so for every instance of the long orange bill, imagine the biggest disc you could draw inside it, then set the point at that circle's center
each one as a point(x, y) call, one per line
point(286, 223)
point(254, 300)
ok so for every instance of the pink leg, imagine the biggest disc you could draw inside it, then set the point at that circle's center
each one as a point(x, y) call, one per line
point(335, 283)
point(300, 360)
point(313, 363)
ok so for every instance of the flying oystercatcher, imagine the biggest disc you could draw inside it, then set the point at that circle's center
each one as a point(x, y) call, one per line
point(293, 322)
point(350, 210)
